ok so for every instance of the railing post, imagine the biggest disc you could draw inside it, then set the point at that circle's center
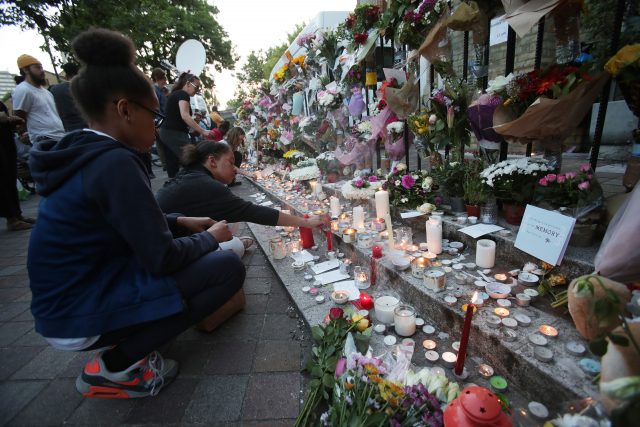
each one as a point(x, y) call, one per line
point(511, 54)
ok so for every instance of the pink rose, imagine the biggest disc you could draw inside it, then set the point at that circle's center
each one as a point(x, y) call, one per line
point(561, 179)
point(585, 167)
point(543, 181)
point(551, 177)
point(571, 175)
point(341, 366)
point(590, 176)
point(583, 185)
point(408, 181)
point(373, 178)
point(358, 183)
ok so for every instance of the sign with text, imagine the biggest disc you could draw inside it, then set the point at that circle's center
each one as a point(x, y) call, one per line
point(544, 234)
point(499, 30)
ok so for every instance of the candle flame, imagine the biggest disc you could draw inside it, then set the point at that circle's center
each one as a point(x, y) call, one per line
point(476, 298)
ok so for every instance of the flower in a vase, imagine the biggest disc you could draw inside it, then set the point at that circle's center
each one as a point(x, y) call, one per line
point(408, 181)
point(584, 185)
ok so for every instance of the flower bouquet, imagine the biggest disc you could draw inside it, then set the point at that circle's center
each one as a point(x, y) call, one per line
point(410, 189)
point(305, 170)
point(625, 67)
point(410, 21)
point(514, 182)
point(330, 99)
point(329, 165)
point(356, 27)
point(361, 187)
point(293, 157)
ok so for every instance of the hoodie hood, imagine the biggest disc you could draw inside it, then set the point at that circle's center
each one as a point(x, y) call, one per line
point(52, 163)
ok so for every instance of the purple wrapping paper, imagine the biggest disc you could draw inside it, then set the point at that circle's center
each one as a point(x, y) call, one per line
point(481, 120)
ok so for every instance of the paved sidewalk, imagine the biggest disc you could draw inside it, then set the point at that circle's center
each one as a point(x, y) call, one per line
point(245, 373)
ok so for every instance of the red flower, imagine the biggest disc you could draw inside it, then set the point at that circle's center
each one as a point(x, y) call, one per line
point(336, 313)
point(360, 38)
point(350, 21)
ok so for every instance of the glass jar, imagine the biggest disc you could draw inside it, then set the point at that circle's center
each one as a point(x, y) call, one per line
point(403, 237)
point(385, 304)
point(361, 277)
point(489, 212)
point(404, 319)
point(277, 248)
point(365, 240)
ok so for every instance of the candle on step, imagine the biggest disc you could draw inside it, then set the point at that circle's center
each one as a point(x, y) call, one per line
point(334, 204)
point(434, 235)
point(382, 203)
point(464, 340)
point(366, 301)
point(358, 218)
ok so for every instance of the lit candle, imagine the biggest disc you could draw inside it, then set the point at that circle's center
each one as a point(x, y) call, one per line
point(501, 311)
point(385, 306)
point(429, 344)
point(378, 224)
point(349, 235)
point(382, 203)
point(334, 204)
point(464, 340)
point(334, 225)
point(434, 235)
point(500, 277)
point(387, 220)
point(549, 331)
point(306, 236)
point(485, 253)
point(358, 217)
point(485, 370)
point(449, 360)
point(404, 319)
point(417, 267)
point(366, 302)
point(361, 278)
point(411, 248)
point(329, 241)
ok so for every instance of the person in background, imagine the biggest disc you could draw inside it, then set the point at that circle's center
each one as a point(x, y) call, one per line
point(174, 133)
point(106, 272)
point(9, 202)
point(220, 132)
point(71, 118)
point(235, 138)
point(35, 104)
point(159, 78)
point(215, 117)
point(200, 189)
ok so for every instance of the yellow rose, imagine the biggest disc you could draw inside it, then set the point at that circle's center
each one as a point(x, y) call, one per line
point(625, 57)
point(361, 323)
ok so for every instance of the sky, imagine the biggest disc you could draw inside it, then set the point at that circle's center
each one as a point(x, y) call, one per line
point(250, 24)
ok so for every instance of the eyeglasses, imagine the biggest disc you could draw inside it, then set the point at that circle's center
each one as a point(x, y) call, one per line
point(158, 118)
point(196, 87)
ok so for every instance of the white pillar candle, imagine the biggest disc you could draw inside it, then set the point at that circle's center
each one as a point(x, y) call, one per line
point(334, 204)
point(387, 220)
point(384, 306)
point(382, 203)
point(358, 217)
point(485, 253)
point(404, 320)
point(313, 185)
point(434, 235)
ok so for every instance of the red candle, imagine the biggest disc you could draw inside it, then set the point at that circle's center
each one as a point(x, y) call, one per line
point(366, 302)
point(306, 236)
point(462, 353)
point(329, 240)
point(376, 253)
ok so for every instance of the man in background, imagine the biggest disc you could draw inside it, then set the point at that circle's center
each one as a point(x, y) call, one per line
point(71, 118)
point(159, 78)
point(35, 104)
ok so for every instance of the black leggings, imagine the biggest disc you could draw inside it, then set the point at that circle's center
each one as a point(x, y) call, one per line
point(205, 286)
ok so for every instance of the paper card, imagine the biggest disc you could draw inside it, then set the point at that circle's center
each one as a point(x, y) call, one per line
point(348, 286)
point(325, 266)
point(499, 30)
point(478, 230)
point(303, 256)
point(544, 234)
point(410, 214)
point(268, 171)
point(330, 277)
point(392, 73)
point(332, 87)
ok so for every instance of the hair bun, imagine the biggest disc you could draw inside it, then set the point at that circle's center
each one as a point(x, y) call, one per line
point(102, 47)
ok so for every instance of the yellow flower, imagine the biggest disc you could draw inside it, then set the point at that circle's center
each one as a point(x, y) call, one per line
point(546, 266)
point(299, 60)
point(626, 56)
point(361, 323)
point(289, 153)
point(558, 279)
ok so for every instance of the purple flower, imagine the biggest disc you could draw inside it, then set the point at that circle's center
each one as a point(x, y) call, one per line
point(341, 366)
point(358, 183)
point(373, 178)
point(408, 181)
point(437, 200)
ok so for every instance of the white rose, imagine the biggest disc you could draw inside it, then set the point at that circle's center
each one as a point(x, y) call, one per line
point(404, 200)
point(401, 166)
point(432, 119)
point(426, 208)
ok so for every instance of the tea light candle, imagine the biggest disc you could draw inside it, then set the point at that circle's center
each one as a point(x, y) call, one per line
point(532, 293)
point(548, 331)
point(523, 299)
point(434, 279)
point(429, 344)
point(428, 329)
point(455, 345)
point(538, 339)
point(432, 356)
point(423, 247)
point(538, 410)
point(404, 320)
point(502, 312)
point(576, 348)
point(417, 267)
point(419, 322)
point(319, 299)
point(379, 329)
point(492, 319)
point(450, 300)
point(522, 319)
point(485, 370)
point(498, 383)
point(340, 297)
point(590, 366)
point(449, 359)
point(306, 289)
point(429, 255)
point(500, 277)
point(389, 340)
point(543, 354)
point(384, 306)
point(503, 302)
point(509, 322)
point(349, 235)
point(313, 291)
point(485, 253)
point(378, 224)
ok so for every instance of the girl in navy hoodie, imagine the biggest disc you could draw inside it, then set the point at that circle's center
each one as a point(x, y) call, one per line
point(106, 271)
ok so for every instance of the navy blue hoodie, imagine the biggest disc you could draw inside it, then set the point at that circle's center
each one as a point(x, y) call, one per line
point(101, 256)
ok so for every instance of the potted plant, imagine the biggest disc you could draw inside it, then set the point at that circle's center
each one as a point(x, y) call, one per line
point(451, 177)
point(475, 192)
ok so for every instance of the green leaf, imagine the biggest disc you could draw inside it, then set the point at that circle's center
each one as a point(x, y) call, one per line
point(598, 346)
point(316, 372)
point(619, 339)
point(315, 383)
point(602, 308)
point(330, 350)
point(328, 380)
point(317, 333)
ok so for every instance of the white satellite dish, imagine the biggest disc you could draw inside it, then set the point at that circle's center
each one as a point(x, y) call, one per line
point(191, 57)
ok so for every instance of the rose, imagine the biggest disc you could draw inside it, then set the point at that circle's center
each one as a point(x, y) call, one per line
point(571, 175)
point(408, 181)
point(341, 364)
point(361, 322)
point(358, 183)
point(561, 179)
point(584, 185)
point(432, 119)
point(543, 181)
point(585, 167)
point(336, 313)
point(373, 178)
point(437, 200)
point(551, 177)
point(360, 38)
point(401, 166)
point(499, 83)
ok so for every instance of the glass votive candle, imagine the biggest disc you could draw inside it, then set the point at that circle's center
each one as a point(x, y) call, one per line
point(334, 225)
point(403, 237)
point(349, 235)
point(365, 240)
point(378, 224)
point(417, 266)
point(385, 304)
point(294, 247)
point(361, 277)
point(404, 319)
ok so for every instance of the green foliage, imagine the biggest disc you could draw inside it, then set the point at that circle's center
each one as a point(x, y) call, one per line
point(475, 192)
point(156, 27)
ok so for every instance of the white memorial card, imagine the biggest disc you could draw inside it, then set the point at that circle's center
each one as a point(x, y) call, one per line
point(478, 230)
point(544, 234)
point(330, 277)
point(410, 214)
point(325, 266)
